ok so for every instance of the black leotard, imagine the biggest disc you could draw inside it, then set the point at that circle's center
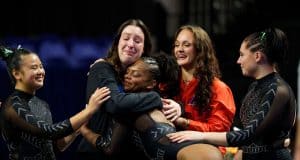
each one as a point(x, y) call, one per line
point(153, 135)
point(28, 129)
point(267, 113)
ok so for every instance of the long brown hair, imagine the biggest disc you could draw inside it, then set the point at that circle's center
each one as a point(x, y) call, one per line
point(207, 67)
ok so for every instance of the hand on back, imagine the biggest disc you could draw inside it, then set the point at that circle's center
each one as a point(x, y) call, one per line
point(98, 97)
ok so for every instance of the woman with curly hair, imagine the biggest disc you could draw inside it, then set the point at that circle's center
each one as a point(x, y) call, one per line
point(208, 102)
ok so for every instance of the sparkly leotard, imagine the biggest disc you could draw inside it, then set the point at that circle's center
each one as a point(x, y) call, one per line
point(267, 113)
point(28, 129)
point(153, 136)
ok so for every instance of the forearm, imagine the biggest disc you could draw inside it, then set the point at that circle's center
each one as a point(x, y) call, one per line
point(216, 138)
point(80, 118)
point(64, 143)
point(89, 135)
point(30, 123)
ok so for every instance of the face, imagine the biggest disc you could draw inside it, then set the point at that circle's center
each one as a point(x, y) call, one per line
point(247, 61)
point(31, 75)
point(184, 49)
point(138, 78)
point(131, 45)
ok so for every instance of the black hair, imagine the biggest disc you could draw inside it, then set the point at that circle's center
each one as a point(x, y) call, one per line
point(12, 57)
point(165, 70)
point(272, 42)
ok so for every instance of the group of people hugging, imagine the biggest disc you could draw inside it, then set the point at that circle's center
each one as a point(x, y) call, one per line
point(155, 105)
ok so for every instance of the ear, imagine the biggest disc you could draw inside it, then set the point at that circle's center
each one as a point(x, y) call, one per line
point(16, 74)
point(260, 57)
point(151, 84)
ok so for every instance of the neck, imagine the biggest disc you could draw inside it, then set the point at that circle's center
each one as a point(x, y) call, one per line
point(25, 89)
point(263, 71)
point(187, 74)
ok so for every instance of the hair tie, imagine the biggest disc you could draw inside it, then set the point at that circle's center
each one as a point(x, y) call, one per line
point(262, 36)
point(19, 47)
point(6, 52)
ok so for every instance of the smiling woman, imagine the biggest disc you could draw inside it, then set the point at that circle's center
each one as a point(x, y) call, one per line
point(268, 111)
point(26, 121)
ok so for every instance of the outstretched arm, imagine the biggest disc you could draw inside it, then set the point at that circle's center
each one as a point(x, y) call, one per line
point(274, 102)
point(216, 138)
point(99, 96)
point(96, 100)
point(21, 117)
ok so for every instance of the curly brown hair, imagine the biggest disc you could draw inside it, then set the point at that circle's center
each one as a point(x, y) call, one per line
point(206, 68)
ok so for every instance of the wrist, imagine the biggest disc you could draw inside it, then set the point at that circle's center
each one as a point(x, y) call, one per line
point(187, 123)
point(88, 112)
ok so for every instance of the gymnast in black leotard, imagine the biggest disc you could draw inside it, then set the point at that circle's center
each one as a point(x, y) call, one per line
point(26, 120)
point(157, 73)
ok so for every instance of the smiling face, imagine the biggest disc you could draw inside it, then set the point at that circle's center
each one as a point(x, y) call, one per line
point(131, 44)
point(138, 78)
point(31, 74)
point(184, 49)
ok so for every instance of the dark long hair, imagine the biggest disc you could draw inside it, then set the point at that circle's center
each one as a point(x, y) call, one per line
point(113, 56)
point(207, 66)
point(272, 42)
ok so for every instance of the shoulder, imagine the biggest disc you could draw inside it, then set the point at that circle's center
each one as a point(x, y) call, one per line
point(283, 88)
point(101, 67)
point(101, 64)
point(40, 101)
point(218, 85)
point(221, 90)
point(14, 100)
